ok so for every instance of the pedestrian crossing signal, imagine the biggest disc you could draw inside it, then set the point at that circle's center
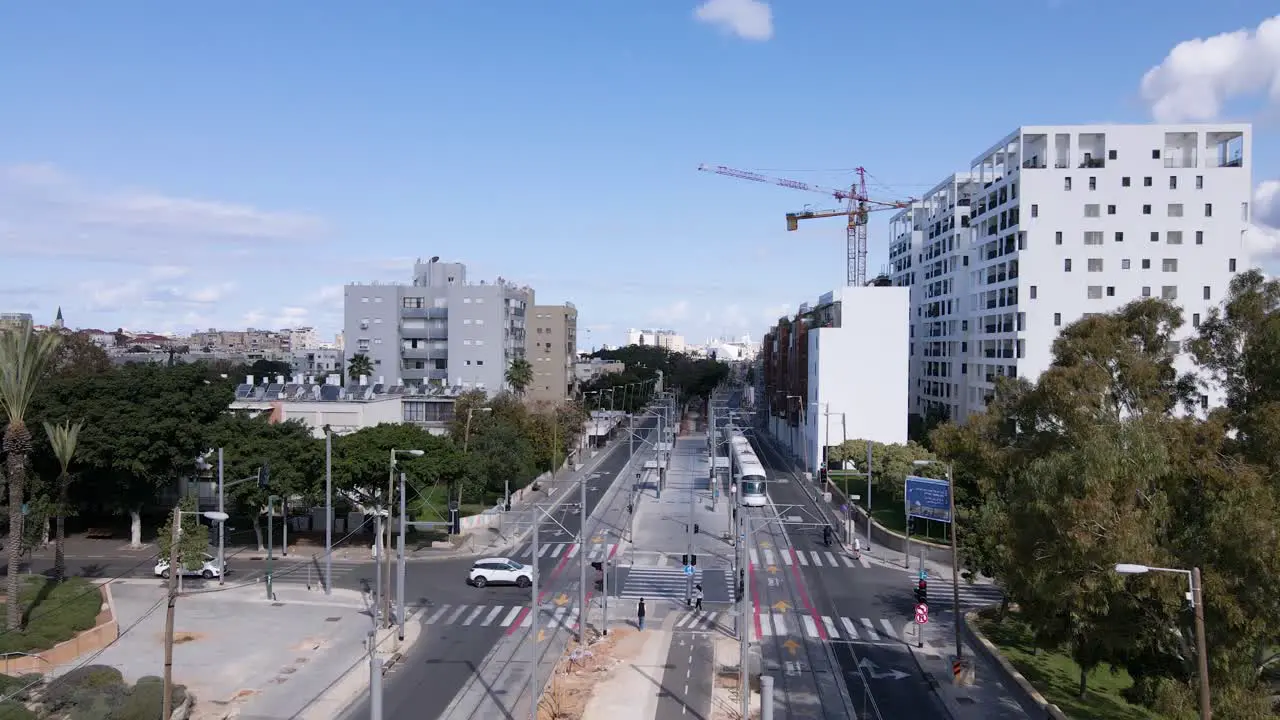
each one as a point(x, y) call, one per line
point(597, 566)
point(922, 592)
point(688, 560)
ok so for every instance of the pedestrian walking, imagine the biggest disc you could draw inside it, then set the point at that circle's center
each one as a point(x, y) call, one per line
point(640, 615)
point(857, 547)
point(697, 597)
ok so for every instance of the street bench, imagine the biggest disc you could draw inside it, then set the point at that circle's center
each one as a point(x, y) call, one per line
point(99, 533)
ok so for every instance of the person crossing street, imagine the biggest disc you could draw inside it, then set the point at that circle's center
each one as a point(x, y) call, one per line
point(640, 615)
point(697, 597)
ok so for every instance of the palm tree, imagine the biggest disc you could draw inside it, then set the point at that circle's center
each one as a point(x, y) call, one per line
point(358, 365)
point(63, 440)
point(519, 375)
point(24, 355)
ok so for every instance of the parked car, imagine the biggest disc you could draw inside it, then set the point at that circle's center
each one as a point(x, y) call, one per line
point(502, 571)
point(207, 571)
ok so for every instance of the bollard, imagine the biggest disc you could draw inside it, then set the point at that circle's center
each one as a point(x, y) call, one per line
point(766, 697)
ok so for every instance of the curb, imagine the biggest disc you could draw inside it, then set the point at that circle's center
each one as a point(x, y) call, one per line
point(351, 686)
point(935, 686)
point(1011, 673)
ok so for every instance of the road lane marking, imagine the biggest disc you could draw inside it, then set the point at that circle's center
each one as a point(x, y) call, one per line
point(888, 628)
point(489, 618)
point(779, 624)
point(474, 614)
point(542, 551)
point(768, 557)
point(436, 615)
point(755, 558)
point(832, 559)
point(573, 549)
point(871, 629)
point(848, 628)
point(511, 616)
point(864, 562)
point(831, 627)
point(817, 559)
point(556, 552)
point(454, 617)
point(800, 557)
point(847, 561)
point(786, 557)
point(810, 628)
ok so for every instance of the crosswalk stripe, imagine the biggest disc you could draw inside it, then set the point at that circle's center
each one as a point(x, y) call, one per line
point(871, 629)
point(557, 617)
point(755, 558)
point(832, 559)
point(831, 628)
point(556, 552)
point(801, 557)
point(528, 619)
point(766, 625)
point(768, 557)
point(817, 560)
point(780, 623)
point(849, 628)
point(542, 551)
point(474, 614)
point(436, 616)
point(888, 628)
point(786, 557)
point(847, 561)
point(683, 621)
point(511, 616)
point(489, 618)
point(810, 628)
point(573, 550)
point(454, 617)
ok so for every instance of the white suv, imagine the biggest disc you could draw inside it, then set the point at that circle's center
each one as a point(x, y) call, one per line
point(500, 570)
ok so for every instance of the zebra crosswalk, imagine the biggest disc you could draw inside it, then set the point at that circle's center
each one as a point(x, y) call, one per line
point(499, 616)
point(971, 595)
point(703, 620)
point(828, 627)
point(655, 581)
point(786, 557)
point(597, 551)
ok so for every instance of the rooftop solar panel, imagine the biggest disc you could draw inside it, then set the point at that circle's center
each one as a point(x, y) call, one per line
point(244, 391)
point(330, 393)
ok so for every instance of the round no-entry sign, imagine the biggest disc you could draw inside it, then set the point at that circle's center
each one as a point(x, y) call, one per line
point(922, 614)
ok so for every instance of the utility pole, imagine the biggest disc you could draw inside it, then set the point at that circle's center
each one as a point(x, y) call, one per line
point(534, 693)
point(868, 493)
point(375, 667)
point(582, 557)
point(174, 572)
point(400, 562)
point(744, 688)
point(222, 526)
point(1202, 652)
point(328, 511)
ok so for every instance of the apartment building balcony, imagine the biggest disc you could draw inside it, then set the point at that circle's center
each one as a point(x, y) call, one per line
point(423, 353)
point(424, 374)
point(424, 333)
point(431, 313)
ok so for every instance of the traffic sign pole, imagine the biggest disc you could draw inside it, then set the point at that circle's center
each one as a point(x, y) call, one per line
point(922, 617)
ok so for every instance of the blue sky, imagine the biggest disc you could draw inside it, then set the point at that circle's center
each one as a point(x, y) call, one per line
point(166, 166)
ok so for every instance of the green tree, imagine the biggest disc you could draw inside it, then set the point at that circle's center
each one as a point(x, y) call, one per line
point(193, 537)
point(62, 438)
point(359, 366)
point(144, 427)
point(24, 358)
point(293, 454)
point(78, 355)
point(362, 462)
point(519, 376)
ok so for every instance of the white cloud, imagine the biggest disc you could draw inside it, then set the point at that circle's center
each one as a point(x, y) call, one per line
point(45, 212)
point(1199, 76)
point(1266, 204)
point(670, 315)
point(748, 19)
point(1262, 241)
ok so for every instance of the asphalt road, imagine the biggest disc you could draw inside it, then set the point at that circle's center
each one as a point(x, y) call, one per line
point(687, 680)
point(873, 601)
point(426, 680)
point(292, 570)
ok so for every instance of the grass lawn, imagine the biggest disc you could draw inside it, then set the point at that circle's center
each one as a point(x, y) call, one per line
point(53, 613)
point(1057, 677)
point(890, 515)
point(438, 510)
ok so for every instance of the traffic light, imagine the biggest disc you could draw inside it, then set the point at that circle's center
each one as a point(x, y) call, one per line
point(689, 559)
point(922, 592)
point(597, 566)
point(264, 475)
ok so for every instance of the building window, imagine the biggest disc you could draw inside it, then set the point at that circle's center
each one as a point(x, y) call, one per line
point(1199, 237)
point(1146, 263)
point(1111, 291)
point(1119, 236)
point(1091, 210)
point(1124, 181)
point(1033, 297)
point(1173, 182)
point(411, 303)
point(1169, 292)
point(1199, 182)
point(1057, 319)
point(1207, 292)
point(1169, 265)
point(1208, 209)
point(1035, 211)
point(1095, 264)
point(1146, 181)
point(1155, 154)
point(1093, 183)
point(1124, 264)
point(1244, 212)
point(1057, 238)
point(1111, 154)
point(1231, 265)
point(1066, 183)
point(1095, 292)
point(1146, 291)
point(1175, 209)
point(479, 362)
point(1111, 209)
point(1174, 237)
point(1066, 265)
point(1093, 237)
point(1155, 236)
point(1146, 209)
point(1195, 320)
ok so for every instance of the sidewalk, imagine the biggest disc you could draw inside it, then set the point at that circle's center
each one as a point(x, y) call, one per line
point(986, 699)
point(633, 688)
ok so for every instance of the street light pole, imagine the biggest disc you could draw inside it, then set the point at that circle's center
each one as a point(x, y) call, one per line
point(1196, 597)
point(386, 596)
point(400, 562)
point(222, 539)
point(955, 554)
point(176, 566)
point(328, 510)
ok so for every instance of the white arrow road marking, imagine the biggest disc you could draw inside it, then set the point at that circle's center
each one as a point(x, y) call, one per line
point(871, 670)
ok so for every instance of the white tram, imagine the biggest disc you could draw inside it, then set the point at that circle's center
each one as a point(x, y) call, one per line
point(748, 472)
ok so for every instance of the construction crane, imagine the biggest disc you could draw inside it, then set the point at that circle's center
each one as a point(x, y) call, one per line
point(857, 207)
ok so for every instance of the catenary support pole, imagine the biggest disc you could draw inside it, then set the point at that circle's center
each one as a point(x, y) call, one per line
point(582, 556)
point(222, 526)
point(535, 693)
point(955, 560)
point(375, 678)
point(744, 636)
point(328, 511)
point(604, 597)
point(400, 562)
point(766, 697)
point(868, 495)
point(174, 572)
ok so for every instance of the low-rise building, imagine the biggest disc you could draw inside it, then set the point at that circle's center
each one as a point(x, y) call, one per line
point(15, 320)
point(590, 369)
point(344, 410)
point(668, 339)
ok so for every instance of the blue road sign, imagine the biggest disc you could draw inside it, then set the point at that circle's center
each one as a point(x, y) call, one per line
point(924, 575)
point(688, 570)
point(928, 499)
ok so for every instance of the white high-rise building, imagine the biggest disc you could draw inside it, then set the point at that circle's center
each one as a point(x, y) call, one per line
point(1056, 222)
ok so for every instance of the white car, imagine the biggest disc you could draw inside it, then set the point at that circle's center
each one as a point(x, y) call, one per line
point(207, 571)
point(504, 571)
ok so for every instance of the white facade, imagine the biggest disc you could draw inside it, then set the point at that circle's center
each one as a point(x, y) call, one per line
point(1064, 221)
point(857, 373)
point(668, 339)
